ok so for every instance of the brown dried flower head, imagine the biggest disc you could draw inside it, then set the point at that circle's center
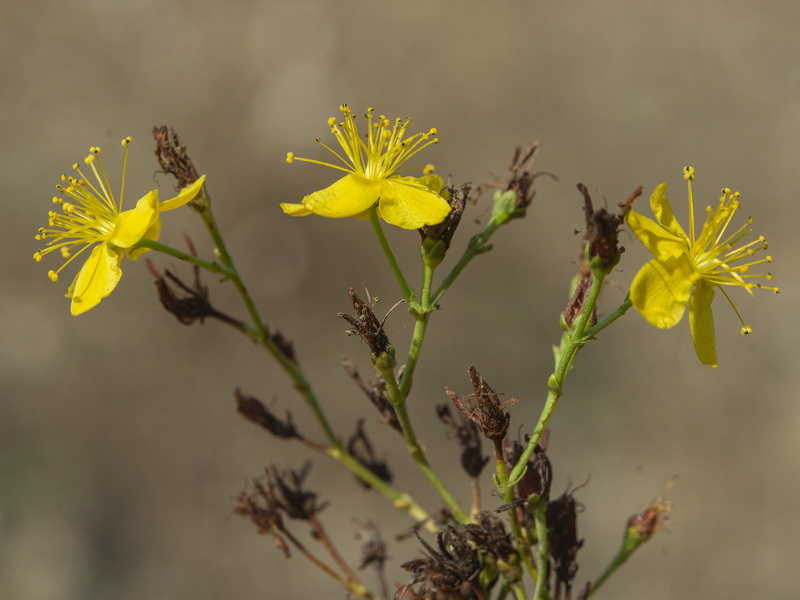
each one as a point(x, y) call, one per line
point(468, 437)
point(253, 410)
point(367, 326)
point(483, 407)
point(172, 157)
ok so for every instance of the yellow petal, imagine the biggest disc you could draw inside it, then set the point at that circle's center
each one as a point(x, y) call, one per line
point(295, 210)
point(663, 212)
point(659, 241)
point(701, 323)
point(131, 225)
point(408, 204)
point(184, 196)
point(97, 278)
point(351, 195)
point(152, 233)
point(661, 290)
point(435, 183)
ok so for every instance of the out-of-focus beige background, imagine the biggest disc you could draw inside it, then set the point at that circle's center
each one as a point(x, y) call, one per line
point(120, 449)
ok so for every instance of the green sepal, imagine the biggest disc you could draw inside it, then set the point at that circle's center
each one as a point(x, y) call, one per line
point(433, 252)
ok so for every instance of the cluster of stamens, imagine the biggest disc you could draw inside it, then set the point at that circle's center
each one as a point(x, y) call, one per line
point(384, 150)
point(89, 216)
point(716, 258)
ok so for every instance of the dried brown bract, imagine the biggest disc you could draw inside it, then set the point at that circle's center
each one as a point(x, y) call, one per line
point(448, 573)
point(652, 518)
point(361, 449)
point(563, 542)
point(259, 505)
point(574, 308)
point(539, 472)
point(519, 178)
point(376, 392)
point(172, 157)
point(468, 437)
point(602, 228)
point(367, 326)
point(445, 230)
point(188, 304)
point(253, 410)
point(286, 488)
point(452, 570)
point(483, 407)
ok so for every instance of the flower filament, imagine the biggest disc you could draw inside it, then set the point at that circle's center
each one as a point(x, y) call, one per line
point(91, 215)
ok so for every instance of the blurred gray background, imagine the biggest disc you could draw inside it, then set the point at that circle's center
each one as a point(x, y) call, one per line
point(120, 447)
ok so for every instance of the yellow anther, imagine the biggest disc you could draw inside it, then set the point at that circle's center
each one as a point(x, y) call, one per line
point(332, 121)
point(688, 173)
point(429, 168)
point(127, 141)
point(290, 157)
point(52, 275)
point(433, 131)
point(746, 330)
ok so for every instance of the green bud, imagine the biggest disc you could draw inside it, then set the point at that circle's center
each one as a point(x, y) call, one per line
point(385, 361)
point(433, 252)
point(505, 204)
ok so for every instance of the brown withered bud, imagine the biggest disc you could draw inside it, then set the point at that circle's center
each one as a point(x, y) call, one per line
point(490, 536)
point(285, 346)
point(483, 407)
point(539, 472)
point(259, 505)
point(574, 308)
point(185, 303)
point(602, 228)
point(253, 410)
point(361, 449)
point(376, 392)
point(367, 326)
point(172, 157)
point(651, 520)
point(447, 573)
point(468, 437)
point(562, 537)
point(286, 487)
point(445, 230)
point(584, 591)
point(373, 546)
point(519, 179)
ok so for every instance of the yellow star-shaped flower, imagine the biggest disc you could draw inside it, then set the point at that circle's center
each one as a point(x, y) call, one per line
point(92, 217)
point(686, 269)
point(373, 170)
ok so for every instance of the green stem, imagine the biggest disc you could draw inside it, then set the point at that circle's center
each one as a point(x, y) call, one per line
point(387, 250)
point(263, 337)
point(400, 501)
point(572, 341)
point(476, 245)
point(513, 517)
point(414, 447)
point(213, 267)
point(629, 545)
point(539, 516)
point(621, 310)
point(421, 325)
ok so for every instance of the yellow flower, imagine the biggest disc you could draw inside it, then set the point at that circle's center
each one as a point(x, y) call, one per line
point(687, 269)
point(373, 169)
point(92, 217)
